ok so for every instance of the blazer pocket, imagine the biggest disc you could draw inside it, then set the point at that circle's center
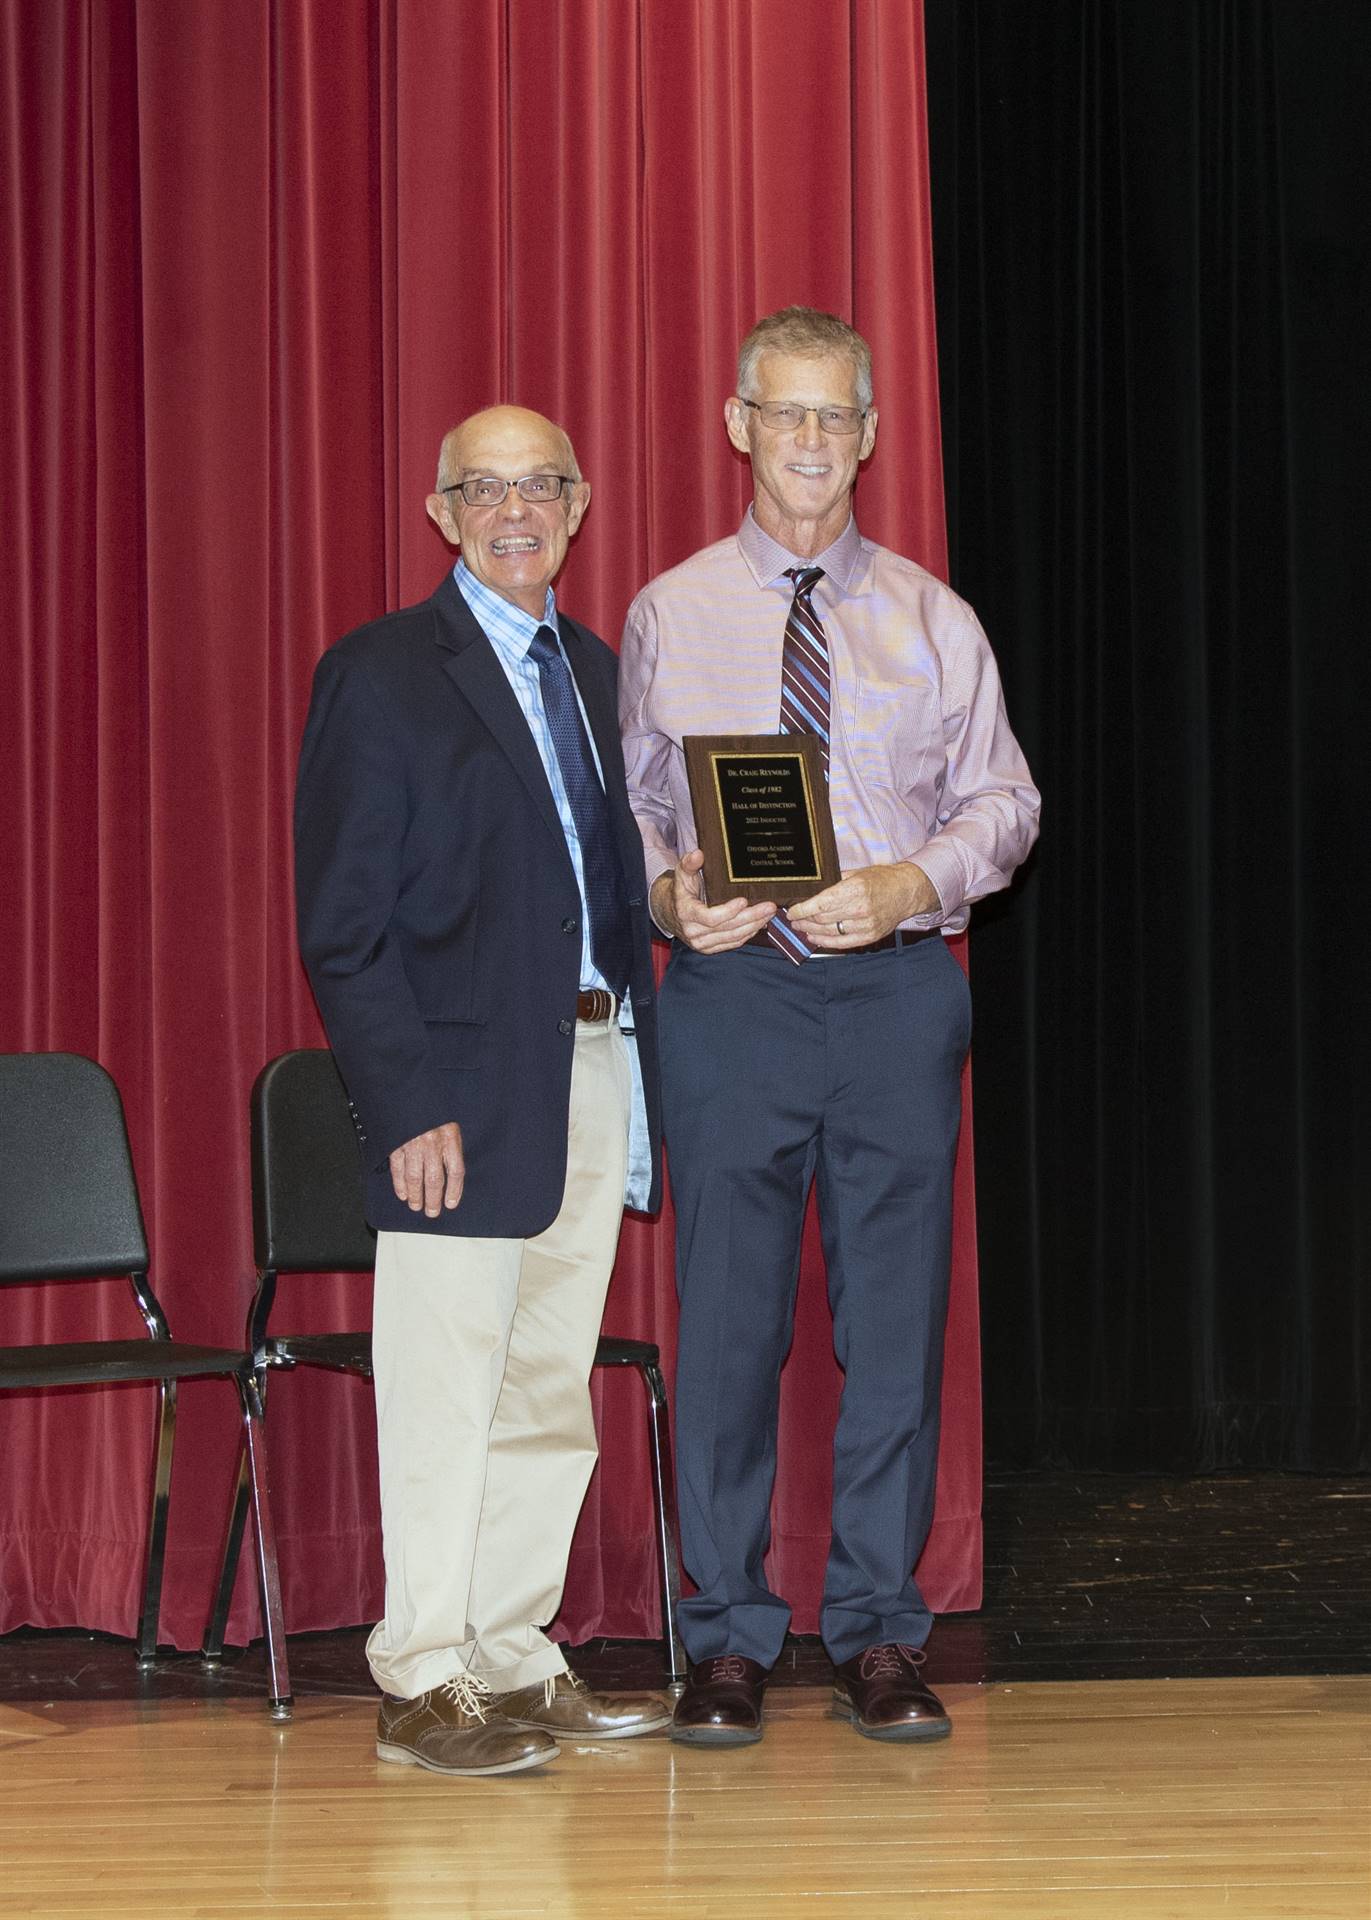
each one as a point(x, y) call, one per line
point(456, 1044)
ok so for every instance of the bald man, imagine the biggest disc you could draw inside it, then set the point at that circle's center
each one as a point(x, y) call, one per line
point(472, 913)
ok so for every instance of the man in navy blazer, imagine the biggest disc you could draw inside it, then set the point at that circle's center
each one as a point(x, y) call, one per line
point(472, 914)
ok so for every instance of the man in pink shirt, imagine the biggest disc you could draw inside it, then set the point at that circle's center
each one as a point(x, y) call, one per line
point(824, 1043)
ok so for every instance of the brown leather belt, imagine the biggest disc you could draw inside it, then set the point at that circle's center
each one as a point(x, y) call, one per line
point(891, 943)
point(596, 1005)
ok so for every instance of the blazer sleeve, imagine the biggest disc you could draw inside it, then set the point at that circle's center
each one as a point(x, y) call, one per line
point(352, 810)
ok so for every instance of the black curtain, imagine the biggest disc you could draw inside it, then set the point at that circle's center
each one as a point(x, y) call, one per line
point(1151, 243)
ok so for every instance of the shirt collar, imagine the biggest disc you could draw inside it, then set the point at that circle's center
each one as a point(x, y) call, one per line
point(768, 560)
point(507, 627)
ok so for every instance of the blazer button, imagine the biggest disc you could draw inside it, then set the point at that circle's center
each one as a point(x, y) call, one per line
point(570, 926)
point(565, 1026)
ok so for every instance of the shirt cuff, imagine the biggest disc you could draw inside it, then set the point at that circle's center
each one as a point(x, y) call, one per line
point(656, 863)
point(940, 863)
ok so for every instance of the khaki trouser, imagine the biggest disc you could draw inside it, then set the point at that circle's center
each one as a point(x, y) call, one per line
point(482, 1351)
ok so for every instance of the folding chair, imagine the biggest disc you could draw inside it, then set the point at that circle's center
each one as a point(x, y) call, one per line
point(69, 1209)
point(307, 1218)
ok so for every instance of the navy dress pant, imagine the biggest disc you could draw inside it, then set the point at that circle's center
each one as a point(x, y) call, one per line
point(845, 1071)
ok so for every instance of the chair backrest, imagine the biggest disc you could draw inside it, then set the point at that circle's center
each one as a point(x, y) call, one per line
point(68, 1200)
point(307, 1170)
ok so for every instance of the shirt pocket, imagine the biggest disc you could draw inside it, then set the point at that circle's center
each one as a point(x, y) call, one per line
point(897, 728)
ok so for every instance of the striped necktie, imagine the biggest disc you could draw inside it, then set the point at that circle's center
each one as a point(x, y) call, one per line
point(804, 705)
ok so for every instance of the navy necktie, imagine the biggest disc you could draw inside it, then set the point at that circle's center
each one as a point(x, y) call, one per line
point(611, 942)
point(804, 705)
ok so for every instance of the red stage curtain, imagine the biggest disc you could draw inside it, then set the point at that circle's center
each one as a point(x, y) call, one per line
point(262, 255)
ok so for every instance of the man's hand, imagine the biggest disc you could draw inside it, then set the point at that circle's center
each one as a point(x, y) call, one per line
point(865, 905)
point(678, 908)
point(429, 1170)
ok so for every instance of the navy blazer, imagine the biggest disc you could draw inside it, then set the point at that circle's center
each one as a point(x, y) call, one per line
point(439, 916)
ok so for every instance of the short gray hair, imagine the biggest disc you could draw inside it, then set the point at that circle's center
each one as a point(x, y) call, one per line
point(805, 331)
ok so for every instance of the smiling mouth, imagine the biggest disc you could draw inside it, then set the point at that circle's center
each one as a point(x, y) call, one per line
point(805, 471)
point(514, 545)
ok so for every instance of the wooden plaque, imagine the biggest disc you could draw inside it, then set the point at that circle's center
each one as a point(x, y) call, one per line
point(762, 815)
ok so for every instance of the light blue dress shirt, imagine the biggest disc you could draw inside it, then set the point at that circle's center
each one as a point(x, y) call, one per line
point(509, 630)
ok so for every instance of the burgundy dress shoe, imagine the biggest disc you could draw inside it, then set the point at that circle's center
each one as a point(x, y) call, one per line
point(722, 1703)
point(881, 1693)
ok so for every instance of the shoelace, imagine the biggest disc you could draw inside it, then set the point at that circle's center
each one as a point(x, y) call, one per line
point(468, 1693)
point(573, 1681)
point(889, 1662)
point(727, 1666)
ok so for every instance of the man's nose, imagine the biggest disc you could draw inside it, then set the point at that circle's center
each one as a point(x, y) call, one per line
point(809, 433)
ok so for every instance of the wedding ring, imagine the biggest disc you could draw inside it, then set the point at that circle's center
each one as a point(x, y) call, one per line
point(840, 926)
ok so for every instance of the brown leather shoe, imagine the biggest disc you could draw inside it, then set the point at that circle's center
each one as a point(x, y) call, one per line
point(565, 1704)
point(881, 1693)
point(451, 1729)
point(722, 1703)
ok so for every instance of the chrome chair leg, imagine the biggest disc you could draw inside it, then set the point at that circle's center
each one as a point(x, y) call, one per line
point(264, 1539)
point(157, 1522)
point(664, 1494)
point(213, 1650)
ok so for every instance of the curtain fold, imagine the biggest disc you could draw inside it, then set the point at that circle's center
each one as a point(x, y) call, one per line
point(1153, 274)
point(263, 256)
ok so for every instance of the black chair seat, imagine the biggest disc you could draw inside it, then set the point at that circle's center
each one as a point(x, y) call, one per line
point(345, 1352)
point(627, 1353)
point(94, 1363)
point(351, 1352)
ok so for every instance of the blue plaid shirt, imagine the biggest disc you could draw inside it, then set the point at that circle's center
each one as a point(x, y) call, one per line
point(509, 630)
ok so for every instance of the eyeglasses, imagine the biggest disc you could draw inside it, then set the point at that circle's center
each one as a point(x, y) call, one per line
point(487, 491)
point(787, 416)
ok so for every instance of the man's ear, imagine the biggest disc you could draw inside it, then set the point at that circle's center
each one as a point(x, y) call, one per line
point(439, 507)
point(735, 419)
point(580, 500)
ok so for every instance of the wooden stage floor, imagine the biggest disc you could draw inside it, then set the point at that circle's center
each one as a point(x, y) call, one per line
point(1245, 1799)
point(1162, 1711)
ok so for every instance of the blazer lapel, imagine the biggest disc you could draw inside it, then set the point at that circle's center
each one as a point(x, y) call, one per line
point(470, 663)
